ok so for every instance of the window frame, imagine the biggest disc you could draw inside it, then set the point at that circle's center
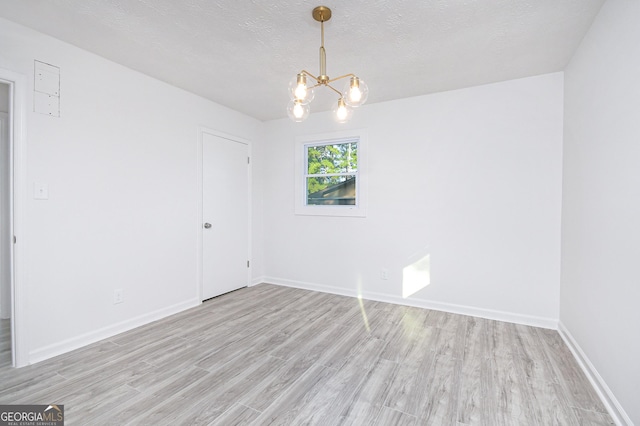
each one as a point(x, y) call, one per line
point(302, 143)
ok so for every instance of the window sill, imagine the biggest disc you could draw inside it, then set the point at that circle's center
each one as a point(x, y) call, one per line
point(330, 211)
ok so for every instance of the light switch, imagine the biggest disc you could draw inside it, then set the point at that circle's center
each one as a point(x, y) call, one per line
point(40, 191)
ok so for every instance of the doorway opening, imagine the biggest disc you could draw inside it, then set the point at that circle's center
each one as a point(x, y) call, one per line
point(6, 235)
point(13, 342)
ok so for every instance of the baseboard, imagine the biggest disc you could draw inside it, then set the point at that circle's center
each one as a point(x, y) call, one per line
point(73, 343)
point(421, 303)
point(257, 280)
point(608, 399)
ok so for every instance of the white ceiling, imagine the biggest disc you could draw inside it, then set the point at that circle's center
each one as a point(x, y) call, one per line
point(242, 53)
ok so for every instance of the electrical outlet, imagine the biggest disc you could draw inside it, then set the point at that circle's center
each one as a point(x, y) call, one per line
point(384, 274)
point(118, 296)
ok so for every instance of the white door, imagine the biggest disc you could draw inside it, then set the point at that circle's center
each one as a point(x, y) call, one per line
point(225, 213)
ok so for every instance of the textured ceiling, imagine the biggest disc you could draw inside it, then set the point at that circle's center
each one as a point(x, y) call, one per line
point(242, 53)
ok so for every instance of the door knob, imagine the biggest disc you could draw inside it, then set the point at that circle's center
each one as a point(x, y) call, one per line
point(207, 225)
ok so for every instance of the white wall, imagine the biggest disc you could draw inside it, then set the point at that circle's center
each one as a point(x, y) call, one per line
point(471, 178)
point(600, 288)
point(121, 167)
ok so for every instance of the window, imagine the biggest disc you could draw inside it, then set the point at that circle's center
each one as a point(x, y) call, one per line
point(332, 173)
point(330, 177)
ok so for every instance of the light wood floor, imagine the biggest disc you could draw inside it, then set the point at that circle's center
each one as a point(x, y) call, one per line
point(275, 355)
point(5, 344)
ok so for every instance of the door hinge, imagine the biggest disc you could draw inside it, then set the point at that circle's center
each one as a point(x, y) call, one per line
point(247, 263)
point(248, 160)
point(15, 240)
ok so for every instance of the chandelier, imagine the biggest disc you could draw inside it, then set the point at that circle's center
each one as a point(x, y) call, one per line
point(301, 91)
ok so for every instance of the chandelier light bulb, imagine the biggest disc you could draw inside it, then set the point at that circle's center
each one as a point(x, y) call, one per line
point(342, 111)
point(299, 91)
point(355, 92)
point(297, 111)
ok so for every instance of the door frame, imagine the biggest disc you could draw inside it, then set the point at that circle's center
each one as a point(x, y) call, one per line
point(201, 132)
point(17, 192)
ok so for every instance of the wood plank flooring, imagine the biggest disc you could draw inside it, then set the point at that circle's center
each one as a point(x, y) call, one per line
point(274, 355)
point(5, 343)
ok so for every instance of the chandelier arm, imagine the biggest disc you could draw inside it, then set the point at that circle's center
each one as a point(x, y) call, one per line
point(309, 75)
point(341, 77)
point(334, 89)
